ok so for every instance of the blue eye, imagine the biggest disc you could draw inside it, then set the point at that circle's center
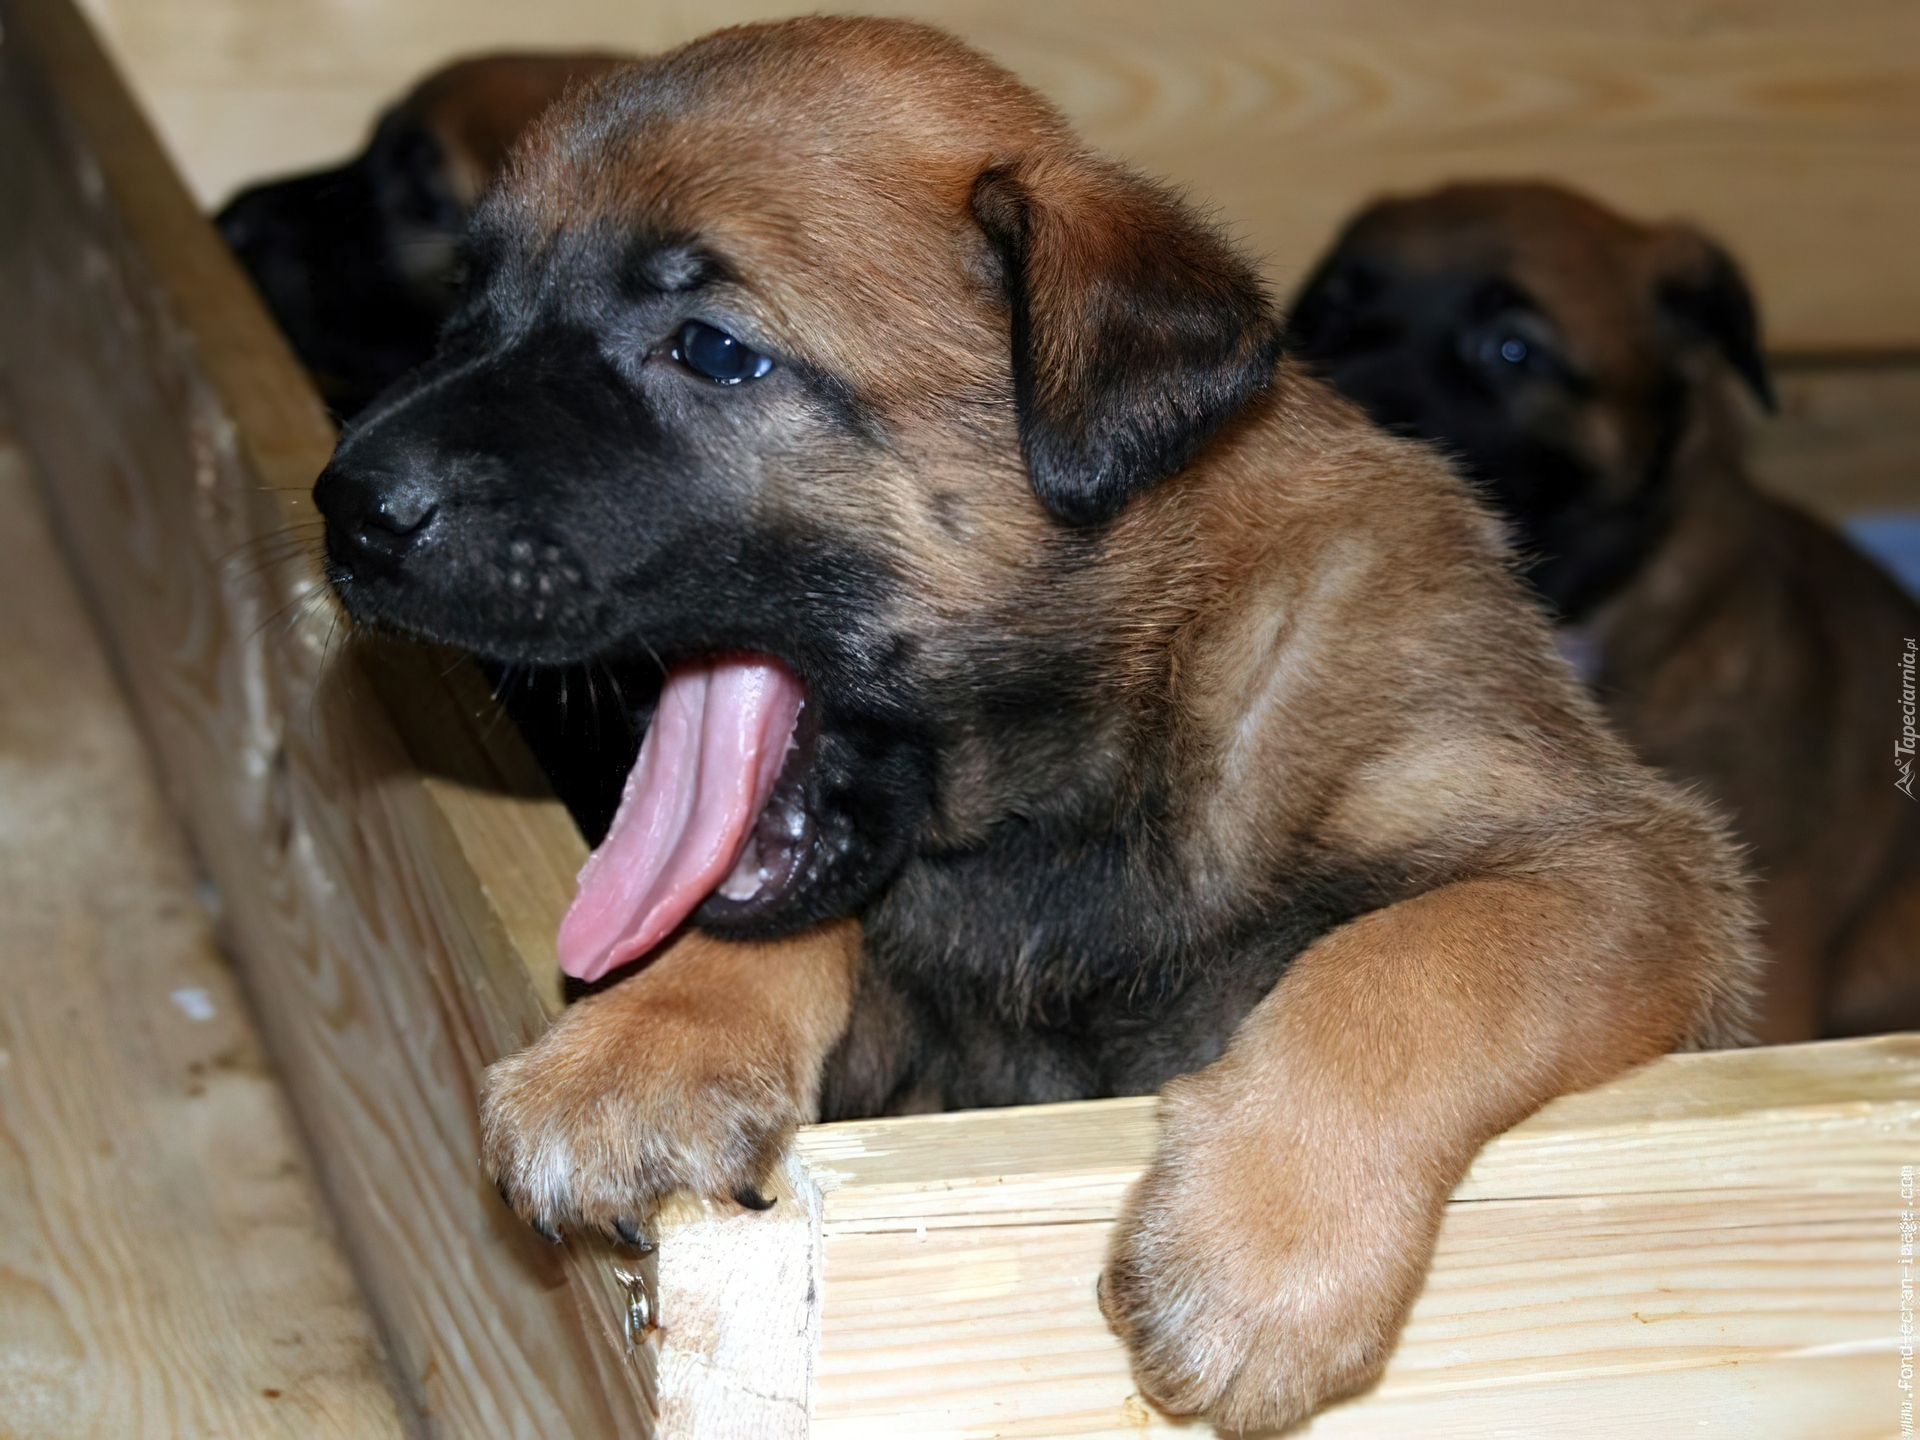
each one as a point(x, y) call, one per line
point(717, 355)
point(1515, 351)
point(1503, 352)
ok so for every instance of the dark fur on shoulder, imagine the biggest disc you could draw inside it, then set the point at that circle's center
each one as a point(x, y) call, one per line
point(1577, 364)
point(1164, 718)
point(361, 264)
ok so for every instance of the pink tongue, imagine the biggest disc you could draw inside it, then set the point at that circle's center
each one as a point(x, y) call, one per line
point(709, 760)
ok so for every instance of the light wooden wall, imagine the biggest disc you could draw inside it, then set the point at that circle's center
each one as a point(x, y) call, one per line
point(1789, 127)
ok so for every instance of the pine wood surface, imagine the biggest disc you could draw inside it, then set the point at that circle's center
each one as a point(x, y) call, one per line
point(1707, 1246)
point(167, 1270)
point(1790, 128)
point(176, 441)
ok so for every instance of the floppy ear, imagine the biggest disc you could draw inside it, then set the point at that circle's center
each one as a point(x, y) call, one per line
point(1703, 292)
point(1137, 331)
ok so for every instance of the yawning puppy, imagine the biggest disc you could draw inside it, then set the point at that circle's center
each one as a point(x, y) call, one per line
point(1154, 715)
point(361, 264)
point(1577, 364)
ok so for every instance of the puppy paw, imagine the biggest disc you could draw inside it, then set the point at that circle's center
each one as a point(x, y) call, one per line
point(637, 1092)
point(1256, 1275)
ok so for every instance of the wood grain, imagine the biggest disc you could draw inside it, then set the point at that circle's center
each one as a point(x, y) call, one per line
point(1847, 438)
point(1790, 129)
point(737, 1295)
point(177, 441)
point(166, 1266)
point(1709, 1239)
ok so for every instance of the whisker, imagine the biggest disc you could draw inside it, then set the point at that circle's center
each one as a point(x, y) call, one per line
point(619, 698)
point(503, 687)
point(280, 543)
point(271, 549)
point(320, 674)
point(289, 612)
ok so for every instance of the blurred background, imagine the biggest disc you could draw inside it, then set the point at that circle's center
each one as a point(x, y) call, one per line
point(1784, 129)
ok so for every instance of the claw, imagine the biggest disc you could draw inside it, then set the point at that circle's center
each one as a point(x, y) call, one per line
point(752, 1199)
point(546, 1232)
point(631, 1234)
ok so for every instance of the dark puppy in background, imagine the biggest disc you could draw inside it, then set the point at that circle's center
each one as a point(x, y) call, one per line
point(1061, 696)
point(361, 264)
point(1577, 365)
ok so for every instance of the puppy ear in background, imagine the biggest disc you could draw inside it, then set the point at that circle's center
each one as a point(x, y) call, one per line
point(1701, 289)
point(1137, 331)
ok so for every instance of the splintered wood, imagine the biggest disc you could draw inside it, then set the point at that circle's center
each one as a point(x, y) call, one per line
point(1707, 1246)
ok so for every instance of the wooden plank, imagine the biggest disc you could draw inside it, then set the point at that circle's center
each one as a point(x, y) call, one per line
point(177, 441)
point(1847, 438)
point(166, 1265)
point(1710, 1242)
point(737, 1294)
point(1790, 129)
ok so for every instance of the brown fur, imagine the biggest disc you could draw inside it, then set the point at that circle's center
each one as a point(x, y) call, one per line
point(1750, 652)
point(1220, 609)
point(691, 1075)
point(1757, 655)
point(478, 107)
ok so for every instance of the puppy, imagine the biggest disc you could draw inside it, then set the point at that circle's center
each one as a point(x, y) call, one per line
point(360, 265)
point(1160, 722)
point(1576, 365)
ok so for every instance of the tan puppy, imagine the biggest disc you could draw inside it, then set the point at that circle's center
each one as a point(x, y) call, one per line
point(1156, 716)
point(1577, 365)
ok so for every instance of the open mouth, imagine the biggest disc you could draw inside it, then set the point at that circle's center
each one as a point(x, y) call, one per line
point(712, 812)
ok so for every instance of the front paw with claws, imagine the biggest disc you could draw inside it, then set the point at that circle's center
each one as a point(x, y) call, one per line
point(691, 1075)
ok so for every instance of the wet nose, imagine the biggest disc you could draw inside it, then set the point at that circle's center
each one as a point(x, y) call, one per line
point(370, 514)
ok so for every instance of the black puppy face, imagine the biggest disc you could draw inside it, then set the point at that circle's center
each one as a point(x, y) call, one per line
point(591, 460)
point(599, 465)
point(1548, 346)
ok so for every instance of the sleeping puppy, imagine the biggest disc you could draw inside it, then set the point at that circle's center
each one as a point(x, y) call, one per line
point(361, 264)
point(1061, 696)
point(1576, 365)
